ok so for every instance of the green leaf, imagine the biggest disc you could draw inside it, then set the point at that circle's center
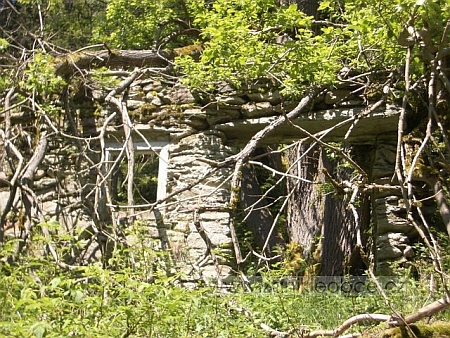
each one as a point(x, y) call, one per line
point(54, 283)
point(324, 5)
point(3, 45)
point(77, 296)
point(39, 329)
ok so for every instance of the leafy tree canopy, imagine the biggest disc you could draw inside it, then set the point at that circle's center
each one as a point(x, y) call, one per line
point(241, 39)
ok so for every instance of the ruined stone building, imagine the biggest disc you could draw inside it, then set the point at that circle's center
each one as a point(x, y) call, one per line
point(179, 135)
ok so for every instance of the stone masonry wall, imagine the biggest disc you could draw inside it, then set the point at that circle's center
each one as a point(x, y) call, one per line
point(196, 129)
point(394, 235)
point(207, 200)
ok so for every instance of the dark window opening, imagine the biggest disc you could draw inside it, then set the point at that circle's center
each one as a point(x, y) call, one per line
point(145, 182)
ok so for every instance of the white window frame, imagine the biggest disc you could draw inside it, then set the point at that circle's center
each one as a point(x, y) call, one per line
point(161, 148)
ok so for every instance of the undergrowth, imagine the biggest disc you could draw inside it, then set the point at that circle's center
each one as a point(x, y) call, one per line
point(39, 300)
point(146, 297)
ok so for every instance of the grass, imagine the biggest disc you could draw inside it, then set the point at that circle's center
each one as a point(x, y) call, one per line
point(105, 303)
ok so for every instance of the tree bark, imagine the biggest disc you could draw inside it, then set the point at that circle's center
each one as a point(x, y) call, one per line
point(309, 7)
point(317, 219)
point(32, 210)
point(444, 208)
point(339, 234)
point(127, 127)
point(304, 214)
point(73, 62)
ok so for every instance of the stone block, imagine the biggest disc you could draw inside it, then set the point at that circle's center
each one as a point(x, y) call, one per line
point(49, 208)
point(153, 99)
point(384, 163)
point(214, 216)
point(408, 252)
point(195, 112)
point(134, 104)
point(393, 238)
point(179, 95)
point(153, 86)
point(213, 274)
point(274, 97)
point(387, 252)
point(393, 245)
point(195, 241)
point(391, 216)
point(230, 100)
point(258, 109)
point(222, 115)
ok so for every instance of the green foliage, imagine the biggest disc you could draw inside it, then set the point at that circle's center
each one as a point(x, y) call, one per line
point(140, 296)
point(3, 45)
point(39, 76)
point(239, 39)
point(240, 36)
point(241, 46)
point(326, 188)
point(66, 24)
point(5, 83)
point(145, 179)
point(41, 301)
point(101, 77)
point(293, 263)
point(419, 331)
point(135, 24)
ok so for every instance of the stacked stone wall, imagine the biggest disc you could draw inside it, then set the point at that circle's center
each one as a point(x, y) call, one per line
point(197, 130)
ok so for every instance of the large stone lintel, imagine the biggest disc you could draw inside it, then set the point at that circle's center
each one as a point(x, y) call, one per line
point(365, 128)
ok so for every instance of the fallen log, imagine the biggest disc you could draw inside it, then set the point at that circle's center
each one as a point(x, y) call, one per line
point(73, 62)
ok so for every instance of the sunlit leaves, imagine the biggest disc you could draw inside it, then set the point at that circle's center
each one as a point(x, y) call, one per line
point(3, 45)
point(96, 302)
point(376, 26)
point(242, 43)
point(139, 24)
point(39, 75)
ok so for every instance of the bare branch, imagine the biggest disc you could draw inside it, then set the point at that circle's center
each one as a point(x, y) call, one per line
point(376, 317)
point(422, 313)
point(428, 310)
point(246, 152)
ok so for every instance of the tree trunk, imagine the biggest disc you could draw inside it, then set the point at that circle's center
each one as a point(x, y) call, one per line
point(309, 7)
point(304, 214)
point(339, 235)
point(73, 62)
point(444, 208)
point(312, 213)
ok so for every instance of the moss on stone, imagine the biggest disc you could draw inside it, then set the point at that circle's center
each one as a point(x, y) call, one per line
point(146, 108)
point(435, 330)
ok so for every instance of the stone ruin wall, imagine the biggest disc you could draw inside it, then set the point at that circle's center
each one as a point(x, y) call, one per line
point(196, 126)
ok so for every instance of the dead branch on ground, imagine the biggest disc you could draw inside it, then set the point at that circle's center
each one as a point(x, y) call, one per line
point(391, 321)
